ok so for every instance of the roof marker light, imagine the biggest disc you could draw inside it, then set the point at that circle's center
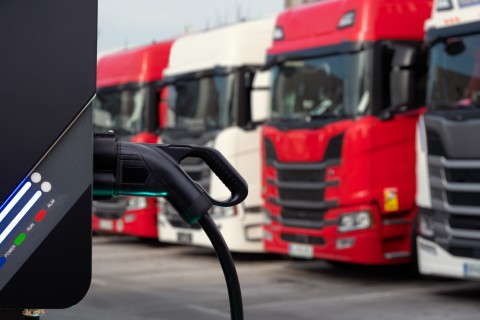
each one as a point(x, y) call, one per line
point(347, 20)
point(444, 5)
point(278, 33)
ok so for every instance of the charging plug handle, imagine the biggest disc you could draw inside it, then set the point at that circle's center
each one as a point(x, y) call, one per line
point(126, 168)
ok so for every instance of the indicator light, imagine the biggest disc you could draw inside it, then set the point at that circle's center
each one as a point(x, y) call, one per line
point(19, 240)
point(347, 20)
point(3, 260)
point(39, 217)
point(46, 186)
point(36, 177)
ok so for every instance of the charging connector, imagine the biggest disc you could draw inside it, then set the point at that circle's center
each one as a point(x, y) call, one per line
point(134, 169)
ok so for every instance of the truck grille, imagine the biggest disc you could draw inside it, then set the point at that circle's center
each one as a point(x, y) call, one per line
point(304, 239)
point(454, 173)
point(456, 233)
point(113, 208)
point(302, 195)
point(455, 185)
point(465, 252)
point(458, 221)
point(301, 186)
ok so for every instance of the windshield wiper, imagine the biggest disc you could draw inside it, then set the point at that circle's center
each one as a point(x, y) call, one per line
point(327, 116)
point(287, 119)
point(460, 104)
point(328, 111)
point(389, 112)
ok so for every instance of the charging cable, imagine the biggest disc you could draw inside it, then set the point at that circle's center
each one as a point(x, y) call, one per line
point(134, 169)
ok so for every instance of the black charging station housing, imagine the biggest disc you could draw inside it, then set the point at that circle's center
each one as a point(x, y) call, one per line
point(47, 81)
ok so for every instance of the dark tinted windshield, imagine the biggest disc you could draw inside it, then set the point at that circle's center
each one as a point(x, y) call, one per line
point(320, 87)
point(120, 110)
point(200, 104)
point(454, 73)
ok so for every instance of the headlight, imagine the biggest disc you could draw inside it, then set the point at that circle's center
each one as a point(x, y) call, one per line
point(267, 218)
point(355, 221)
point(425, 227)
point(222, 212)
point(136, 203)
point(267, 235)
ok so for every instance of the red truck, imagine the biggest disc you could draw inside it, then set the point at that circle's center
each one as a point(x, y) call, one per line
point(339, 146)
point(130, 102)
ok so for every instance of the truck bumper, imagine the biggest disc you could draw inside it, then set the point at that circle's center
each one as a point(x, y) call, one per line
point(386, 242)
point(434, 260)
point(242, 233)
point(140, 223)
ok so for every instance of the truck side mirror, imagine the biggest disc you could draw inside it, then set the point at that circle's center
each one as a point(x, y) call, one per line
point(402, 76)
point(454, 46)
point(260, 96)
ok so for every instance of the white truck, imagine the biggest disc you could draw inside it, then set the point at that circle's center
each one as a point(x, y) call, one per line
point(448, 144)
point(217, 96)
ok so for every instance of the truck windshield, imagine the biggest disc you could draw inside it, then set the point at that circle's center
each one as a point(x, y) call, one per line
point(120, 110)
point(454, 74)
point(330, 86)
point(200, 104)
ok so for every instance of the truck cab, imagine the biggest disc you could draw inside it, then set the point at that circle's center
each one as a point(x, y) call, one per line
point(338, 148)
point(448, 153)
point(216, 97)
point(130, 102)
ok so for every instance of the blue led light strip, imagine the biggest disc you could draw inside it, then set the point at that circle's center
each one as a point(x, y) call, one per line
point(20, 215)
point(15, 200)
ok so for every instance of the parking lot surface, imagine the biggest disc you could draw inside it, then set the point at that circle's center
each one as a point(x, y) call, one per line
point(135, 280)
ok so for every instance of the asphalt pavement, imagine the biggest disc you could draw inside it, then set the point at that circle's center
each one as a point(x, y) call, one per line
point(135, 280)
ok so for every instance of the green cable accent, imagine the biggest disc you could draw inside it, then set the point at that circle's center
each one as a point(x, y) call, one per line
point(143, 193)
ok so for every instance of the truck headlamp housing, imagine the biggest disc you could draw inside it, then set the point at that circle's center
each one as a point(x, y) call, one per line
point(222, 212)
point(355, 221)
point(267, 217)
point(444, 5)
point(425, 227)
point(136, 203)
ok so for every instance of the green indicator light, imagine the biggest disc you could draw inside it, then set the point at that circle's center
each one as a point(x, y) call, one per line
point(21, 237)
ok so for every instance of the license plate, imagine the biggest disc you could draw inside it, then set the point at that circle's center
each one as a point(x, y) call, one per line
point(184, 237)
point(471, 270)
point(300, 250)
point(106, 224)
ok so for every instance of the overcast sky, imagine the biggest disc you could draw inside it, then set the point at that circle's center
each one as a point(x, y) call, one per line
point(129, 23)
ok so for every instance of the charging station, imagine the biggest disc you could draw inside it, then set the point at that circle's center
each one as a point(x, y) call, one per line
point(47, 82)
